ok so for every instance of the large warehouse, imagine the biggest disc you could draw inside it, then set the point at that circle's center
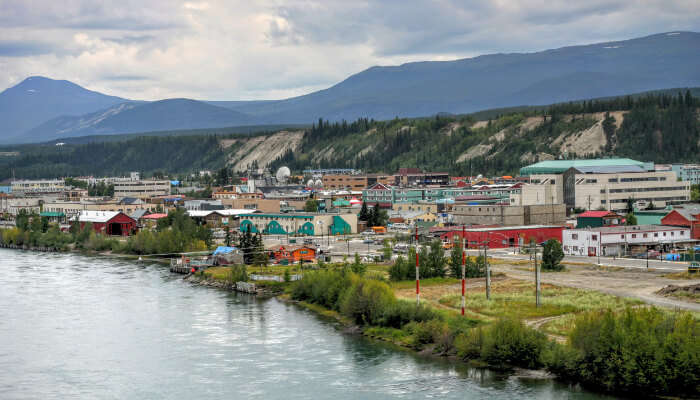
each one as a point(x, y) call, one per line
point(606, 183)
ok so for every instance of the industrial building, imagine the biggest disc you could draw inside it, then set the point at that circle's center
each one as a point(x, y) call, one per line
point(503, 237)
point(606, 183)
point(141, 189)
point(494, 214)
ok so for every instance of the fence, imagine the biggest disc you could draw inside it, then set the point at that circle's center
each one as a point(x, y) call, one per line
point(276, 278)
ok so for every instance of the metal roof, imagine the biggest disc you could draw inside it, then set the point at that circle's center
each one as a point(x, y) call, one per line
point(96, 216)
point(559, 166)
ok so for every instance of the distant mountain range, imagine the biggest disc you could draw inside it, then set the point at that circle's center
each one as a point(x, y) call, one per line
point(40, 109)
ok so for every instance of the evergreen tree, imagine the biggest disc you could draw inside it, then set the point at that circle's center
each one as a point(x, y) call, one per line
point(552, 254)
point(364, 212)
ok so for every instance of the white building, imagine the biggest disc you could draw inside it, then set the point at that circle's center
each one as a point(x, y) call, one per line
point(617, 240)
point(601, 184)
point(141, 189)
point(27, 187)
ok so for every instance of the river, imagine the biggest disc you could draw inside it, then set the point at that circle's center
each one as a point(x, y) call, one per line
point(94, 328)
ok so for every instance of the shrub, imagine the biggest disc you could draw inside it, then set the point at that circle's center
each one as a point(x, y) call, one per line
point(366, 301)
point(639, 351)
point(509, 342)
point(469, 344)
point(238, 273)
point(402, 312)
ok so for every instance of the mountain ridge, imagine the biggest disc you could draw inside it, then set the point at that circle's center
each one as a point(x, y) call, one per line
point(425, 88)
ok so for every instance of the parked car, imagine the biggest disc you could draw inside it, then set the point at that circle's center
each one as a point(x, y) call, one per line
point(369, 232)
point(368, 241)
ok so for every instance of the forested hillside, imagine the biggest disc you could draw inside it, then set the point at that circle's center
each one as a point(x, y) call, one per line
point(661, 127)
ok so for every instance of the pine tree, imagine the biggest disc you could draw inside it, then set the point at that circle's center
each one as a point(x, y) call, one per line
point(364, 212)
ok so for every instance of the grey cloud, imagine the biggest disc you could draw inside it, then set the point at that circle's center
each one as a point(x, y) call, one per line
point(126, 77)
point(23, 48)
point(130, 39)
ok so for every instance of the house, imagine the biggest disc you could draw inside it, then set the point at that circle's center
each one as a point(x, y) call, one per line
point(596, 219)
point(687, 216)
point(106, 222)
point(151, 220)
point(618, 240)
point(293, 254)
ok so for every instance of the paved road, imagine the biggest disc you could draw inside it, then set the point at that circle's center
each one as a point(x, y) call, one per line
point(603, 261)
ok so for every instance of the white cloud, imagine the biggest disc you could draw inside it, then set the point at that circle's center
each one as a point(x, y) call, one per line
point(221, 49)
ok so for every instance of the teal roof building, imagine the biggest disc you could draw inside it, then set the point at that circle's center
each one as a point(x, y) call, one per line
point(559, 166)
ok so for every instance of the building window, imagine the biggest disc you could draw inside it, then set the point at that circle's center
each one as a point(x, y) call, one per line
point(656, 235)
point(622, 236)
point(664, 233)
point(594, 237)
point(574, 236)
point(672, 233)
point(575, 248)
point(645, 235)
point(634, 236)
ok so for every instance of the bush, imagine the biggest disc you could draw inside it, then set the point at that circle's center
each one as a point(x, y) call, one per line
point(403, 312)
point(638, 351)
point(552, 254)
point(366, 301)
point(469, 344)
point(238, 273)
point(509, 342)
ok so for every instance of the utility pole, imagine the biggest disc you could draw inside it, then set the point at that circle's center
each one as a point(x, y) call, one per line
point(464, 261)
point(488, 271)
point(537, 280)
point(417, 274)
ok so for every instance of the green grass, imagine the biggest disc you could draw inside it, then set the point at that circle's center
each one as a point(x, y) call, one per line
point(424, 283)
point(516, 299)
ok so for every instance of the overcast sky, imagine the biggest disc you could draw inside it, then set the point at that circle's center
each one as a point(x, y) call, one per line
point(271, 49)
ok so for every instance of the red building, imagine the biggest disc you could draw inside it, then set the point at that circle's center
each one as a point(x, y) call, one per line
point(687, 216)
point(107, 222)
point(503, 237)
point(293, 253)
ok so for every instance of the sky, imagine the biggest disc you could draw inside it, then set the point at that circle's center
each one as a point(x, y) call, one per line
point(274, 49)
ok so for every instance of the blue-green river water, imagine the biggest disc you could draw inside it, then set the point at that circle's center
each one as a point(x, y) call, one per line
point(75, 327)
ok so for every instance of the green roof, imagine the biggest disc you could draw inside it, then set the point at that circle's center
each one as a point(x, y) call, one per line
point(52, 214)
point(559, 166)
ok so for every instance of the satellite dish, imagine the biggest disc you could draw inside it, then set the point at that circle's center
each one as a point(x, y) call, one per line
point(282, 174)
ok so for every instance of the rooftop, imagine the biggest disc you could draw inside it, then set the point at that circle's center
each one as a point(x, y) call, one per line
point(559, 166)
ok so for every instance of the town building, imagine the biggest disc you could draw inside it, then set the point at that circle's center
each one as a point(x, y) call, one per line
point(114, 223)
point(686, 216)
point(264, 205)
point(286, 254)
point(596, 219)
point(609, 184)
point(467, 214)
point(621, 240)
point(141, 189)
point(415, 177)
point(38, 186)
point(192, 205)
point(687, 172)
point(300, 223)
point(503, 237)
point(354, 182)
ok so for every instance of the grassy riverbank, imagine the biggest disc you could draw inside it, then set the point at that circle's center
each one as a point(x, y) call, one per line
point(604, 342)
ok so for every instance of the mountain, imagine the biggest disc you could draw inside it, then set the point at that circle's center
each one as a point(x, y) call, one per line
point(163, 115)
point(43, 109)
point(500, 80)
point(38, 99)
